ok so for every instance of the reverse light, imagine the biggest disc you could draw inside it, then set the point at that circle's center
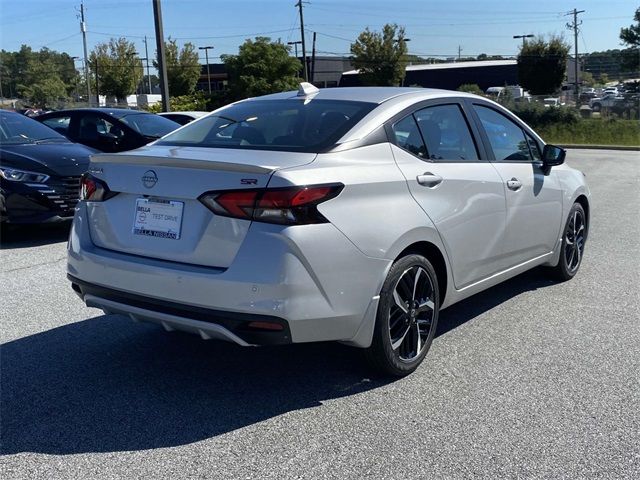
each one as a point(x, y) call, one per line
point(93, 189)
point(16, 175)
point(288, 206)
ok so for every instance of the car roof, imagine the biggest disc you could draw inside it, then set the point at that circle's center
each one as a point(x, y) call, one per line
point(115, 112)
point(190, 113)
point(360, 94)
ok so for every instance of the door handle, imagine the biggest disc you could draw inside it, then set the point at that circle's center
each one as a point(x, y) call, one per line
point(514, 184)
point(428, 179)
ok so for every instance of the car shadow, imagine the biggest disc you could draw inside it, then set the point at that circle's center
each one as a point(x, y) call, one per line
point(108, 384)
point(25, 236)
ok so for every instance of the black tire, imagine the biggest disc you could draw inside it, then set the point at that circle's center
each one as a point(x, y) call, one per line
point(419, 315)
point(596, 107)
point(573, 243)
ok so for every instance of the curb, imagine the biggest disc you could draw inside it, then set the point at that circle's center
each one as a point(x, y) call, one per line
point(602, 147)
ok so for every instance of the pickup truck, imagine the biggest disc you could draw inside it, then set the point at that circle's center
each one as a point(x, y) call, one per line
point(606, 101)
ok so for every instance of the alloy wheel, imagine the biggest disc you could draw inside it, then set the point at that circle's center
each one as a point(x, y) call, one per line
point(574, 241)
point(411, 313)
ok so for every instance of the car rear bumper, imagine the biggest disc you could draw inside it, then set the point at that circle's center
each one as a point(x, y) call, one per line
point(241, 328)
point(310, 279)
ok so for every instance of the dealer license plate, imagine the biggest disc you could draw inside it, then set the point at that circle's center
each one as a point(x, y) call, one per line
point(156, 217)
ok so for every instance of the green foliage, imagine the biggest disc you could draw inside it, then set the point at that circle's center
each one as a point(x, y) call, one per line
point(542, 65)
point(183, 103)
point(119, 69)
point(604, 79)
point(261, 67)
point(587, 79)
point(45, 92)
point(380, 56)
point(471, 88)
point(41, 78)
point(183, 67)
point(537, 115)
point(595, 131)
point(484, 56)
point(631, 36)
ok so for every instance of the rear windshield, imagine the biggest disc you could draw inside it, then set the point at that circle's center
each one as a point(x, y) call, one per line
point(149, 124)
point(16, 129)
point(288, 125)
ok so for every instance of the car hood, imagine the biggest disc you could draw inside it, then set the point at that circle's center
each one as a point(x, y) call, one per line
point(61, 159)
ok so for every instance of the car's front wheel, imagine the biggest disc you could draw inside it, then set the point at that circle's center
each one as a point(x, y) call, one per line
point(573, 242)
point(407, 316)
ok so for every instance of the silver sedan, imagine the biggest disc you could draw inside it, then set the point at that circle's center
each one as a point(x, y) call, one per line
point(346, 214)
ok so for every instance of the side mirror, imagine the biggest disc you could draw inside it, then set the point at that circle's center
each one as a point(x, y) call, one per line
point(552, 156)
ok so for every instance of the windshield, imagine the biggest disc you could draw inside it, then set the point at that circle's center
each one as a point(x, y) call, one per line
point(289, 125)
point(149, 124)
point(17, 129)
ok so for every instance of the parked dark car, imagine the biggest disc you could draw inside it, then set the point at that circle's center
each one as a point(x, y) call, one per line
point(108, 129)
point(39, 171)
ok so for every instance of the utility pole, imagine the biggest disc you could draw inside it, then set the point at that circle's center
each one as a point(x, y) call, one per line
point(162, 64)
point(97, 85)
point(295, 46)
point(305, 68)
point(524, 38)
point(206, 56)
point(574, 26)
point(459, 52)
point(83, 29)
point(146, 54)
point(313, 58)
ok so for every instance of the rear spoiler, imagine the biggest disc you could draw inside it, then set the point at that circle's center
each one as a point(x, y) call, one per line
point(162, 161)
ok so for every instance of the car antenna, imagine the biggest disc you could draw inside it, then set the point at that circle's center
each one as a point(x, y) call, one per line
point(307, 90)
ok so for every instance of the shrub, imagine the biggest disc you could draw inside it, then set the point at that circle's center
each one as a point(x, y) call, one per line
point(537, 115)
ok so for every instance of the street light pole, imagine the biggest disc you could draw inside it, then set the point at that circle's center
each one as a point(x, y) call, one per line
point(206, 56)
point(75, 76)
point(146, 52)
point(403, 40)
point(524, 37)
point(162, 64)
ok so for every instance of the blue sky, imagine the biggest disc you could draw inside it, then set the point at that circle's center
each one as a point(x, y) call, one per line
point(435, 27)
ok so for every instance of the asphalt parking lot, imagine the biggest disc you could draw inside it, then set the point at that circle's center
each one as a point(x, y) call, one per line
point(530, 379)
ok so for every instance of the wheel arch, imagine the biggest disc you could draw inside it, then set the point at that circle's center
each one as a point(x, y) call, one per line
point(584, 202)
point(432, 253)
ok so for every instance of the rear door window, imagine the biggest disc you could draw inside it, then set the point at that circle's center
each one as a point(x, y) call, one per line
point(407, 136)
point(446, 133)
point(59, 124)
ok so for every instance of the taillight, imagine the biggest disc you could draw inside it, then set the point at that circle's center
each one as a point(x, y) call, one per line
point(93, 189)
point(289, 206)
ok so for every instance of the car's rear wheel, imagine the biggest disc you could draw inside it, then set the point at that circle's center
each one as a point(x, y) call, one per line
point(407, 316)
point(573, 242)
point(596, 107)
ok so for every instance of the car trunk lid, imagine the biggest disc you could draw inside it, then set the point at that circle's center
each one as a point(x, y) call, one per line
point(164, 183)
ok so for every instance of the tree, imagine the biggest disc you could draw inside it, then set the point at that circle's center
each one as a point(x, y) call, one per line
point(542, 64)
point(380, 57)
point(587, 79)
point(25, 72)
point(46, 92)
point(183, 67)
point(631, 36)
point(117, 67)
point(471, 88)
point(261, 67)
